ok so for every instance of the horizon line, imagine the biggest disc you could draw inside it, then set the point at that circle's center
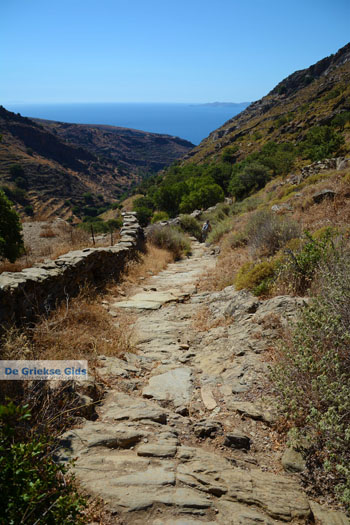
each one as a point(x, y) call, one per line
point(121, 102)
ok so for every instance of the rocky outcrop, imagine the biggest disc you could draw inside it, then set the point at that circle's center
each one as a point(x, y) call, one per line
point(25, 295)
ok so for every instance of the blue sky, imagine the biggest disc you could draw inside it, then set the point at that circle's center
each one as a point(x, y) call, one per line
point(159, 50)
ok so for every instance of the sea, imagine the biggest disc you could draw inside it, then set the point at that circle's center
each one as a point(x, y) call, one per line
point(192, 122)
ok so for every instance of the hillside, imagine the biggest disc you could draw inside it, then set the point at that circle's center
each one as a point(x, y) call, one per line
point(309, 97)
point(305, 118)
point(131, 149)
point(47, 170)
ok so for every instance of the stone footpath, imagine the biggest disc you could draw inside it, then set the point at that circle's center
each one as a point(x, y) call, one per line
point(184, 434)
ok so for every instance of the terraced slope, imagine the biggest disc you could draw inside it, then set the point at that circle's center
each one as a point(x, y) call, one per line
point(61, 162)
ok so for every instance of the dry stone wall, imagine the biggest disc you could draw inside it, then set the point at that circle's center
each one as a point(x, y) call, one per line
point(25, 295)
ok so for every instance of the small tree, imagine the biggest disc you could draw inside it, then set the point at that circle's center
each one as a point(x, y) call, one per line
point(11, 241)
point(16, 171)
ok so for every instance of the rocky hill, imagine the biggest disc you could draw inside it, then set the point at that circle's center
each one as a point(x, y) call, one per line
point(305, 118)
point(309, 97)
point(56, 164)
point(131, 149)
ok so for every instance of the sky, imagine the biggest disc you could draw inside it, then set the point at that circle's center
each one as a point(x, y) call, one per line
point(54, 51)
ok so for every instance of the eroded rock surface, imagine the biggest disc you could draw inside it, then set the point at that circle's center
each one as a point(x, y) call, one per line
point(191, 442)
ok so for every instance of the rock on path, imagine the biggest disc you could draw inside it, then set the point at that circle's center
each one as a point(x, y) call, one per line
point(181, 438)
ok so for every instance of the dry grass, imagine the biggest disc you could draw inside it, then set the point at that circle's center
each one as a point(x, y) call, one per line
point(47, 232)
point(329, 212)
point(81, 328)
point(97, 511)
point(226, 267)
point(202, 321)
point(18, 266)
point(150, 263)
point(306, 213)
point(52, 240)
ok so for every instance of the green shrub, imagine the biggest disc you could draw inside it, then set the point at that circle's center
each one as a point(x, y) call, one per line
point(191, 226)
point(159, 216)
point(16, 194)
point(29, 210)
point(257, 277)
point(267, 232)
point(229, 153)
point(219, 229)
point(313, 378)
point(202, 196)
point(88, 198)
point(100, 226)
point(247, 178)
point(143, 214)
point(220, 213)
point(34, 488)
point(321, 142)
point(11, 241)
point(16, 170)
point(89, 211)
point(170, 238)
point(340, 120)
point(300, 266)
point(21, 182)
point(334, 93)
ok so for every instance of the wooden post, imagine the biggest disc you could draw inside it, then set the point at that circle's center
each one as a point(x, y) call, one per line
point(92, 234)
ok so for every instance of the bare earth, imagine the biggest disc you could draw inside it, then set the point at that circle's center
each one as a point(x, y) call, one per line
point(184, 435)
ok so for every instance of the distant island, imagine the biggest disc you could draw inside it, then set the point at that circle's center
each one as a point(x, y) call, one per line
point(225, 104)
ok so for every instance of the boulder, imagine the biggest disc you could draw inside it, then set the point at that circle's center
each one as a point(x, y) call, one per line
point(322, 195)
point(237, 440)
point(293, 461)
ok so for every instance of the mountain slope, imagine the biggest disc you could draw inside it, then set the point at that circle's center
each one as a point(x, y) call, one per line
point(59, 163)
point(132, 149)
point(306, 98)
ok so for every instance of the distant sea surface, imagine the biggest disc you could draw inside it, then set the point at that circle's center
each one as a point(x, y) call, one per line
point(192, 122)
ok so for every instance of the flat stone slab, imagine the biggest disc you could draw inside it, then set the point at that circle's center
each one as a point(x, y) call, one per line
point(183, 521)
point(175, 386)
point(278, 496)
point(231, 513)
point(160, 450)
point(97, 434)
point(147, 300)
point(208, 398)
point(119, 406)
point(253, 411)
point(328, 517)
point(142, 497)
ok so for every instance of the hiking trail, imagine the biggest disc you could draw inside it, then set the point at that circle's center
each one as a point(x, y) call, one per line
point(183, 435)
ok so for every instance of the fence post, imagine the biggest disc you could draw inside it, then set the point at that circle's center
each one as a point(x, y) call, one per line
point(92, 234)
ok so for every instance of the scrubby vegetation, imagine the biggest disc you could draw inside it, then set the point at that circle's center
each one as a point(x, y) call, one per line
point(313, 377)
point(184, 188)
point(171, 239)
point(98, 225)
point(266, 232)
point(11, 241)
point(191, 226)
point(301, 249)
point(34, 488)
